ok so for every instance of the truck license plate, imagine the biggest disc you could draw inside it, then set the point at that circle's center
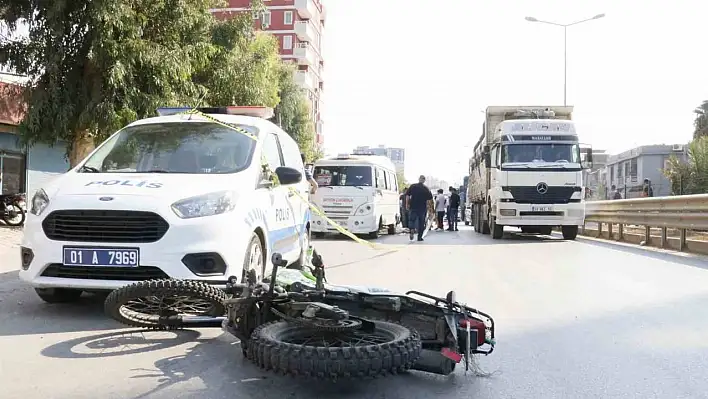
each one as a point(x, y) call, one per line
point(541, 209)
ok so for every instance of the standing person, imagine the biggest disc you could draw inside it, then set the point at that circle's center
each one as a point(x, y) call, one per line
point(440, 208)
point(615, 193)
point(454, 202)
point(647, 190)
point(418, 196)
point(308, 177)
point(403, 210)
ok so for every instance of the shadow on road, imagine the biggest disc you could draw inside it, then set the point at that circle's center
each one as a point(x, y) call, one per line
point(120, 343)
point(221, 368)
point(22, 312)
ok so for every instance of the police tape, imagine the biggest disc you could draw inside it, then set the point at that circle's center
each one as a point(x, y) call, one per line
point(274, 178)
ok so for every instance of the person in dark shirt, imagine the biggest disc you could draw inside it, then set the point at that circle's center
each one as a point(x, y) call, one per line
point(418, 196)
point(454, 202)
point(404, 212)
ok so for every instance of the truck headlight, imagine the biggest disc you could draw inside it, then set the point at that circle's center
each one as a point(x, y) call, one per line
point(40, 201)
point(205, 205)
point(364, 210)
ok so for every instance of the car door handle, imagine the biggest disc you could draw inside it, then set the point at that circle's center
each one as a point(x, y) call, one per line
point(290, 193)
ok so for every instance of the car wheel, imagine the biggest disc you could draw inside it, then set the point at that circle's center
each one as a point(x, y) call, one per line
point(255, 257)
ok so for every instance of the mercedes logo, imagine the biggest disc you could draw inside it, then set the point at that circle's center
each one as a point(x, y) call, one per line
point(542, 188)
point(105, 199)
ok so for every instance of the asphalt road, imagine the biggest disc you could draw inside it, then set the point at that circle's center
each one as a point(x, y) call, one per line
point(574, 319)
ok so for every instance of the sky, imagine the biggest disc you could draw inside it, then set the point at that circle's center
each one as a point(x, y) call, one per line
point(418, 74)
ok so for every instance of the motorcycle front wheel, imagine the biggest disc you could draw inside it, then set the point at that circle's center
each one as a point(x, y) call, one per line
point(297, 350)
point(164, 303)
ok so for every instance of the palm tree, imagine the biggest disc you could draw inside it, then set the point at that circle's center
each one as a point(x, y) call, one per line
point(701, 122)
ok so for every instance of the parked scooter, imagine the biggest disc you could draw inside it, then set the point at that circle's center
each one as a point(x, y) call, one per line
point(12, 209)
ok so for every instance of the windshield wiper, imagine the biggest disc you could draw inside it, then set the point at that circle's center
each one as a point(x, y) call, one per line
point(515, 164)
point(89, 169)
point(156, 171)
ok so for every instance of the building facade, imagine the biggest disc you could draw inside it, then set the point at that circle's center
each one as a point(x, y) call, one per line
point(23, 169)
point(628, 170)
point(396, 155)
point(299, 27)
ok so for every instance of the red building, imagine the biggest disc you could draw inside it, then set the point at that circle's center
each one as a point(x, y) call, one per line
point(298, 25)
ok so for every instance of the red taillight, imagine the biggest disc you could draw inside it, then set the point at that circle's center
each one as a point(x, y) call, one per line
point(475, 325)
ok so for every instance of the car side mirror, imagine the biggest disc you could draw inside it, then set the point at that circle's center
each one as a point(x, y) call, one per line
point(288, 175)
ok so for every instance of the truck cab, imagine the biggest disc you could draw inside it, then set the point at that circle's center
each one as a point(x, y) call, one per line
point(527, 173)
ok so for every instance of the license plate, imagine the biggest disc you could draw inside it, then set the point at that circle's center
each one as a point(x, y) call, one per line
point(541, 209)
point(113, 257)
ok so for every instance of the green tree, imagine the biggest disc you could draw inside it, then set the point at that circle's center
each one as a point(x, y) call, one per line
point(402, 184)
point(690, 177)
point(701, 122)
point(293, 113)
point(95, 66)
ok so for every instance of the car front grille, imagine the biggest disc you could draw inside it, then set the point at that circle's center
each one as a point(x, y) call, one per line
point(141, 273)
point(530, 195)
point(104, 226)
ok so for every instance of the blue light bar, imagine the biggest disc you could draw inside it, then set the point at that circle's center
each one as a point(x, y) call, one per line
point(167, 111)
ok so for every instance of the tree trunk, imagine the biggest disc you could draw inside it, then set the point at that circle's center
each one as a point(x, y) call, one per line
point(80, 148)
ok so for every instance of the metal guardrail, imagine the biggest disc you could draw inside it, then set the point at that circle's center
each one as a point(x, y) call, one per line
point(684, 212)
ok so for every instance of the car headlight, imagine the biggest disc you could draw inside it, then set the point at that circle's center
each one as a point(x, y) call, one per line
point(205, 205)
point(40, 201)
point(364, 209)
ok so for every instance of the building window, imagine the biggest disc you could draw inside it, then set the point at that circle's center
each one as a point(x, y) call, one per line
point(13, 169)
point(633, 170)
point(287, 42)
point(288, 17)
point(265, 19)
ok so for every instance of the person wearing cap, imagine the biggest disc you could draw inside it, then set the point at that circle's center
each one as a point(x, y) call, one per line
point(419, 199)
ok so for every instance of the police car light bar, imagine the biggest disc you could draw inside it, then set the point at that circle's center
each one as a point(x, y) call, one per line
point(258, 112)
point(167, 111)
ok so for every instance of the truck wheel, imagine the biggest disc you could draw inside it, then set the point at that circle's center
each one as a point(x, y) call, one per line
point(546, 231)
point(569, 232)
point(497, 230)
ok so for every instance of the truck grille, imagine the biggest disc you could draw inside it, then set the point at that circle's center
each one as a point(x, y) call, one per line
point(104, 226)
point(141, 273)
point(529, 194)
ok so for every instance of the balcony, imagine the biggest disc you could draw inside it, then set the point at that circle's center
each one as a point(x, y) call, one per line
point(305, 55)
point(306, 80)
point(305, 31)
point(306, 9)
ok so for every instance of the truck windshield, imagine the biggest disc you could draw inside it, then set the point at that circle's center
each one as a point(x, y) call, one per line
point(566, 153)
point(174, 147)
point(343, 176)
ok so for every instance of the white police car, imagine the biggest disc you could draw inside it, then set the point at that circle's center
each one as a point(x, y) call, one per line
point(175, 196)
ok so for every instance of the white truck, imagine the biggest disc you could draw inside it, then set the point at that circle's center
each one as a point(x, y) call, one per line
point(527, 172)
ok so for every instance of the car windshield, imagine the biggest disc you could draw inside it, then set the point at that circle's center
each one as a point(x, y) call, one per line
point(343, 176)
point(175, 147)
point(569, 153)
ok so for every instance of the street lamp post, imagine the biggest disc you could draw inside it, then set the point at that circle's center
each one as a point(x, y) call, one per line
point(565, 47)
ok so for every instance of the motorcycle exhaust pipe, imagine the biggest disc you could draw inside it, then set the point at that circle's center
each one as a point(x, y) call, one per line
point(434, 362)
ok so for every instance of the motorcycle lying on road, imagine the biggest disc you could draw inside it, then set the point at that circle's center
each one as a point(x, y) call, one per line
point(296, 323)
point(12, 209)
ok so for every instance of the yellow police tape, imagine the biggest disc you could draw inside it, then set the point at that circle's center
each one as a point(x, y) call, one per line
point(274, 177)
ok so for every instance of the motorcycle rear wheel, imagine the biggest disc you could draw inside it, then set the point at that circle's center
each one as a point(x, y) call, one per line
point(163, 303)
point(292, 349)
point(20, 216)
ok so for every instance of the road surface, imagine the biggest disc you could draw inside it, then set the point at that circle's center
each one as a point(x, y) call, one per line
point(575, 320)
